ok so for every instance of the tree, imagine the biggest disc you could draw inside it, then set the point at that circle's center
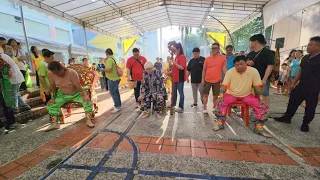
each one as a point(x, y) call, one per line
point(242, 35)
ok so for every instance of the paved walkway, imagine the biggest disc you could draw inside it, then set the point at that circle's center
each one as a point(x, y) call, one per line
point(124, 146)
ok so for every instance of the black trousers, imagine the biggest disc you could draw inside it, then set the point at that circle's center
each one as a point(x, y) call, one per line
point(137, 91)
point(8, 113)
point(23, 84)
point(107, 87)
point(37, 79)
point(297, 96)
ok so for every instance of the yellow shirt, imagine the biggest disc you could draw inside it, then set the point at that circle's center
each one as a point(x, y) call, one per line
point(240, 85)
point(38, 61)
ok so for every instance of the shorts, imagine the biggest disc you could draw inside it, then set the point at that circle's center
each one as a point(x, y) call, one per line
point(215, 88)
point(266, 88)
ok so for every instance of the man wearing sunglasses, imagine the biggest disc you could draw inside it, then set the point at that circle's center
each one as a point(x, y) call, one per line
point(213, 67)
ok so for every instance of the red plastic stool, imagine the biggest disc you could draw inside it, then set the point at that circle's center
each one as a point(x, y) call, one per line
point(244, 110)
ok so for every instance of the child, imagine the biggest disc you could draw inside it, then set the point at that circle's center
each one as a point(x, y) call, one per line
point(283, 78)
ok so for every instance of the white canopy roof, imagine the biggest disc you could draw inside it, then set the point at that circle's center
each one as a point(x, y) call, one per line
point(122, 18)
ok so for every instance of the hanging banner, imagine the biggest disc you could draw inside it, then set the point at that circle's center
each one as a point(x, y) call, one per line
point(220, 38)
point(127, 44)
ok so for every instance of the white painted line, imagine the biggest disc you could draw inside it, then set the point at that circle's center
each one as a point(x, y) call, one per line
point(231, 129)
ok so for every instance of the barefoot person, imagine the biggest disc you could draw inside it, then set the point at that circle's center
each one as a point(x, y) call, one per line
point(69, 89)
point(239, 81)
point(152, 90)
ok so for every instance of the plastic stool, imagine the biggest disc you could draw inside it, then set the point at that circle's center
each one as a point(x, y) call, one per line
point(244, 110)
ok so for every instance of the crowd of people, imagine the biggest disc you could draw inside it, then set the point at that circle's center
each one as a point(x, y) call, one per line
point(230, 77)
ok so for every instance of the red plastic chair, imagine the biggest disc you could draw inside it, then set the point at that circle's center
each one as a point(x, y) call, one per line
point(244, 110)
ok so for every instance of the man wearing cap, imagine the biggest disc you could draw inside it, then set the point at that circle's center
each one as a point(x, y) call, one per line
point(43, 75)
point(135, 69)
point(195, 67)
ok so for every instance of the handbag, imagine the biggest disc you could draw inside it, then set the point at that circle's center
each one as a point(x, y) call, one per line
point(119, 70)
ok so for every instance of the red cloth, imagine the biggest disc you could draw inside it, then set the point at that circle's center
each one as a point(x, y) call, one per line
point(136, 68)
point(182, 61)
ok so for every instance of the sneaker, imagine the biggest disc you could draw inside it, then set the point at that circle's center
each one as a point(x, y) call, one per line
point(115, 110)
point(304, 128)
point(194, 105)
point(179, 110)
point(205, 111)
point(283, 119)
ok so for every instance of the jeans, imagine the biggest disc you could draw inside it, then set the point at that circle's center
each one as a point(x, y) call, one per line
point(137, 91)
point(114, 92)
point(19, 101)
point(103, 83)
point(8, 113)
point(178, 86)
point(266, 88)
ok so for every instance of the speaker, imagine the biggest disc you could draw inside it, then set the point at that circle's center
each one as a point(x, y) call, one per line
point(280, 42)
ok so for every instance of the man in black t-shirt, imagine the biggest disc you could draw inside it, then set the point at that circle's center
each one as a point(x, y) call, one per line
point(195, 67)
point(308, 88)
point(262, 59)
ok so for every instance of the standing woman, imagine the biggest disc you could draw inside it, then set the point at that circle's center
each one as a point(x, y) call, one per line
point(179, 71)
point(292, 56)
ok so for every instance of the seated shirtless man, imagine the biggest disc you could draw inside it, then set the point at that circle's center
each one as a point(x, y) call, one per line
point(237, 86)
point(69, 89)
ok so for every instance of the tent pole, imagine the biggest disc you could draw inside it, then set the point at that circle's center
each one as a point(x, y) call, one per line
point(85, 38)
point(26, 39)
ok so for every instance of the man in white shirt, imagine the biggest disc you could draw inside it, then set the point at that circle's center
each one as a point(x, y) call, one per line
point(16, 80)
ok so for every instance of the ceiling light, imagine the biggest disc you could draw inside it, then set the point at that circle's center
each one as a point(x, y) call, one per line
point(208, 17)
point(93, 0)
point(212, 9)
point(202, 26)
point(121, 19)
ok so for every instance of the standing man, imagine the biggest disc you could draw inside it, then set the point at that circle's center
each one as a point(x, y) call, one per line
point(158, 65)
point(230, 57)
point(214, 65)
point(69, 89)
point(43, 75)
point(263, 60)
point(135, 69)
point(306, 86)
point(195, 68)
point(113, 80)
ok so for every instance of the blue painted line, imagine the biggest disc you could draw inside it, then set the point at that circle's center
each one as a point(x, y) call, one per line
point(65, 160)
point(114, 147)
point(135, 158)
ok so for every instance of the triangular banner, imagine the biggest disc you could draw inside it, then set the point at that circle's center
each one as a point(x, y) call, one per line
point(220, 38)
point(128, 43)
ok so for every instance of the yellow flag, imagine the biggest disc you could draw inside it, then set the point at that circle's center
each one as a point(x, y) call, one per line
point(220, 38)
point(128, 43)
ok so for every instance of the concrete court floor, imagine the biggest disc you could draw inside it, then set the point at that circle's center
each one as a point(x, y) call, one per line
point(192, 124)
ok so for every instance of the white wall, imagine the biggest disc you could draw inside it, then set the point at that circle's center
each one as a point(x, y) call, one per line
point(297, 29)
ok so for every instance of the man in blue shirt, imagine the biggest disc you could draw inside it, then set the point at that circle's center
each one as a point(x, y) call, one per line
point(158, 65)
point(230, 56)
